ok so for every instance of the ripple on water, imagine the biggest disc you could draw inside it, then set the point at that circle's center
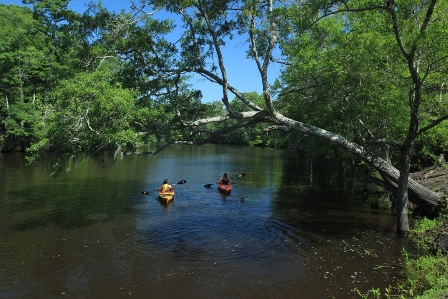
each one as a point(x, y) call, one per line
point(224, 235)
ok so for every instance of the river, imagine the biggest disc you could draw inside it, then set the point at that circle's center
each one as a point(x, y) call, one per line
point(292, 227)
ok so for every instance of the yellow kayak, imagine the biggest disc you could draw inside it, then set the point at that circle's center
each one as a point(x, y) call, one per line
point(166, 196)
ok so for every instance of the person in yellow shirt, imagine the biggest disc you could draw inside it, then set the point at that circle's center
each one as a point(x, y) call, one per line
point(165, 186)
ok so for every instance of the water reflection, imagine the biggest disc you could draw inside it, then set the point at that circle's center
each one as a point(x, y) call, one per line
point(224, 195)
point(68, 205)
point(165, 203)
point(347, 244)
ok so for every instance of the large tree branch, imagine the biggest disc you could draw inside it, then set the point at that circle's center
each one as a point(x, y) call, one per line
point(433, 124)
point(426, 21)
point(425, 198)
point(258, 115)
point(225, 98)
point(226, 130)
point(216, 79)
point(263, 67)
point(212, 77)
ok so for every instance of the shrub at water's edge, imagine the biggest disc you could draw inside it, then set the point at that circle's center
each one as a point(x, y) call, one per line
point(426, 275)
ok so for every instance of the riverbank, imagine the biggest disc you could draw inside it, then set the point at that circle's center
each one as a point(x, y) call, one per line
point(426, 275)
point(436, 178)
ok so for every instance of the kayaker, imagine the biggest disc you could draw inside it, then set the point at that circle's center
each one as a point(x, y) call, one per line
point(224, 180)
point(165, 186)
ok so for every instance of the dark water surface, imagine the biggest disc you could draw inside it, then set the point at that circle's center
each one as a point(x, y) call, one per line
point(291, 228)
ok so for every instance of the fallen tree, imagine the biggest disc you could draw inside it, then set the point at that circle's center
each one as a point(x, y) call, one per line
point(429, 203)
point(207, 23)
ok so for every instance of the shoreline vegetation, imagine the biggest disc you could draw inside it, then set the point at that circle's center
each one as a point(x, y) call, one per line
point(425, 276)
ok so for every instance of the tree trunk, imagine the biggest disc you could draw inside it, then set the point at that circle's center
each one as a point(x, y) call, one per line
point(402, 193)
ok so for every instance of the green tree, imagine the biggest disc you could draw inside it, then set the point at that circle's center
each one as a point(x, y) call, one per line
point(24, 66)
point(39, 48)
point(65, 38)
point(375, 75)
point(91, 113)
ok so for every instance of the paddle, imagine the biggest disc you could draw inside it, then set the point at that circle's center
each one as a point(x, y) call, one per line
point(178, 183)
point(241, 175)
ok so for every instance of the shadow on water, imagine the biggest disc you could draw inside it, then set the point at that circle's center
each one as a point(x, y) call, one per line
point(70, 205)
point(323, 206)
point(165, 204)
point(326, 200)
point(326, 194)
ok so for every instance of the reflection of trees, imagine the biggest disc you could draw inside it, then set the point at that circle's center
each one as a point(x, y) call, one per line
point(70, 204)
point(315, 193)
point(308, 171)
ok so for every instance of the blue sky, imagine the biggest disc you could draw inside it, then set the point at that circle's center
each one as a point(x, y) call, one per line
point(241, 72)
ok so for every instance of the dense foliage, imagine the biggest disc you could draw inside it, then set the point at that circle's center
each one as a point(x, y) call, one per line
point(352, 77)
point(347, 69)
point(75, 84)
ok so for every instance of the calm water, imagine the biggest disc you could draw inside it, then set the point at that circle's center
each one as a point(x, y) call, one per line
point(291, 228)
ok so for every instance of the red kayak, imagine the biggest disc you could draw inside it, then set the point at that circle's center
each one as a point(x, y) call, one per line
point(224, 188)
